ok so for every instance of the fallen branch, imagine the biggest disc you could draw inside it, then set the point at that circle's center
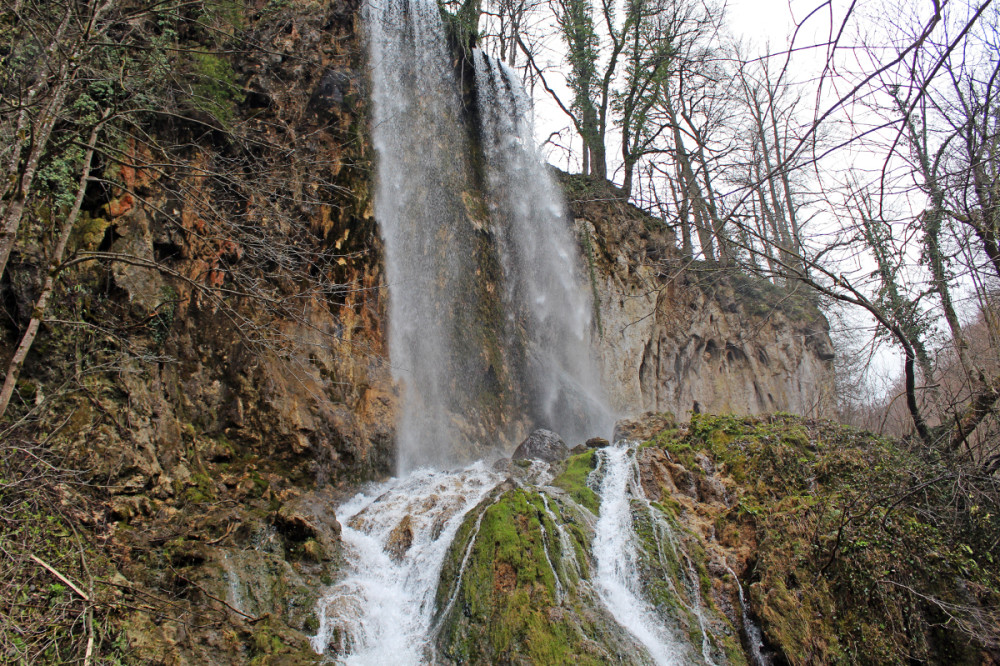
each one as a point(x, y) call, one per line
point(229, 530)
point(61, 577)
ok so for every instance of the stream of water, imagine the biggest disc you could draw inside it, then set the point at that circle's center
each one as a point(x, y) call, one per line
point(422, 173)
point(616, 550)
point(396, 535)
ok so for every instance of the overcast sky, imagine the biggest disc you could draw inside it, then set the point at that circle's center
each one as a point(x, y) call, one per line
point(761, 20)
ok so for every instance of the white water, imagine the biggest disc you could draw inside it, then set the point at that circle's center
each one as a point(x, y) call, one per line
point(489, 323)
point(234, 595)
point(752, 634)
point(541, 262)
point(616, 552)
point(421, 174)
point(380, 613)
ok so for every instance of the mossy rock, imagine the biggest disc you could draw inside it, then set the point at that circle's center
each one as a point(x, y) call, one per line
point(574, 480)
point(858, 542)
point(522, 597)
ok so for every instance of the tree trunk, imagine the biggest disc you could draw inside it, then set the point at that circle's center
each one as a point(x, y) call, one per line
point(690, 188)
point(38, 313)
point(14, 212)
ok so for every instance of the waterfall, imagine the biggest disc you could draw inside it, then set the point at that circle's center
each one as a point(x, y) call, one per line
point(395, 536)
point(616, 550)
point(422, 173)
point(489, 333)
point(489, 326)
point(540, 261)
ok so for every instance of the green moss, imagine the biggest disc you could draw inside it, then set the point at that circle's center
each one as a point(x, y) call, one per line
point(574, 480)
point(214, 88)
point(851, 565)
point(200, 488)
point(508, 587)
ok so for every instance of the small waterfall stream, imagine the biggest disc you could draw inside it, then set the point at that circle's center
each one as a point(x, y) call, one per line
point(396, 536)
point(616, 552)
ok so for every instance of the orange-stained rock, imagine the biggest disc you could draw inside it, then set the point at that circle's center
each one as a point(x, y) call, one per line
point(120, 206)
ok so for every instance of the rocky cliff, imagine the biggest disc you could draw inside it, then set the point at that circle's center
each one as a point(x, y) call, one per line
point(219, 395)
point(215, 373)
point(683, 336)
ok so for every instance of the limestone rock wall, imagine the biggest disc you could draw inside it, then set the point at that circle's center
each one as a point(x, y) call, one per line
point(210, 383)
point(680, 336)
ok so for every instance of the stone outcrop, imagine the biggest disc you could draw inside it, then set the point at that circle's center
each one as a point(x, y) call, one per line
point(682, 336)
point(771, 504)
point(759, 541)
point(524, 594)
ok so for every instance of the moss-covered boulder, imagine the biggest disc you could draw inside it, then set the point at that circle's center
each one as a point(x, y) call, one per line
point(516, 589)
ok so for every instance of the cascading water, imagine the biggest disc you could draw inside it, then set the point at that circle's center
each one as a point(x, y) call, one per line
point(488, 323)
point(616, 551)
point(540, 261)
point(396, 536)
point(422, 173)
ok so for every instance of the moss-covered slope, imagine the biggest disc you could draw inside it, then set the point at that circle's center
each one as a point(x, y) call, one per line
point(854, 549)
point(514, 587)
point(519, 585)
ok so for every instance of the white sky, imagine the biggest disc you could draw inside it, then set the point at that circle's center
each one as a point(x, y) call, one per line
point(761, 20)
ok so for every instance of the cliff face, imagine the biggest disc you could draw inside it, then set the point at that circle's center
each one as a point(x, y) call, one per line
point(217, 425)
point(680, 336)
point(219, 372)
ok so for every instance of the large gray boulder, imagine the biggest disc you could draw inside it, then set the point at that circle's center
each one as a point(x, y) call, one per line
point(543, 445)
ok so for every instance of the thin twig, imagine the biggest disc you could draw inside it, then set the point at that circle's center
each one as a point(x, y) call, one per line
point(61, 577)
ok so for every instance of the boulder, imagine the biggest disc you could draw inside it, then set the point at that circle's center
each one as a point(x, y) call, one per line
point(502, 466)
point(400, 539)
point(597, 443)
point(542, 445)
point(309, 518)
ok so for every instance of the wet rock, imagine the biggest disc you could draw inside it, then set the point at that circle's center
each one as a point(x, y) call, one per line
point(502, 465)
point(400, 539)
point(511, 586)
point(578, 449)
point(542, 445)
point(654, 471)
point(597, 443)
point(294, 525)
point(683, 480)
point(309, 519)
point(710, 487)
